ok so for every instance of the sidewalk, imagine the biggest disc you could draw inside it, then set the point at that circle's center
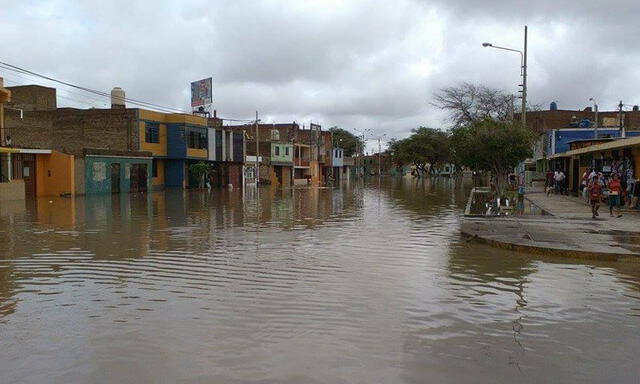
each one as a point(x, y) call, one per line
point(567, 230)
point(570, 207)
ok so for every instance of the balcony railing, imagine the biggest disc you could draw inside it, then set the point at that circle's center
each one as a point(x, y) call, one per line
point(301, 163)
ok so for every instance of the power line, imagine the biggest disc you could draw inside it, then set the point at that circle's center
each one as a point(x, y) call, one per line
point(161, 108)
point(99, 93)
point(91, 102)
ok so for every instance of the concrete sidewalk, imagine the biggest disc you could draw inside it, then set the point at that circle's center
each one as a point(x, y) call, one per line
point(570, 207)
point(567, 230)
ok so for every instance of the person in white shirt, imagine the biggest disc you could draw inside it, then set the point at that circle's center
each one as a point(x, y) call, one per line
point(559, 179)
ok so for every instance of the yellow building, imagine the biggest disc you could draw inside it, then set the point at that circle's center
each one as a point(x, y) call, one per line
point(176, 141)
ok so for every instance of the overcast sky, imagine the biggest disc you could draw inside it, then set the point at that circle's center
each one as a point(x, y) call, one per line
point(356, 64)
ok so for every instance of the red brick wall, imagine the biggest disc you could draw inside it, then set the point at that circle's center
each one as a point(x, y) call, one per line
point(71, 130)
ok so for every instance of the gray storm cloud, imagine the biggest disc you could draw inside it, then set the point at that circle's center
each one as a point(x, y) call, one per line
point(356, 64)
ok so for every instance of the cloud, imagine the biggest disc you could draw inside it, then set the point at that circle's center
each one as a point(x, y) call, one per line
point(356, 64)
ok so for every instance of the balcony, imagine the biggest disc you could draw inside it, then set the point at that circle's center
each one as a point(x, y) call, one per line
point(301, 163)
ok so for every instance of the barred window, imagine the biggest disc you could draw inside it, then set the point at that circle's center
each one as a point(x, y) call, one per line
point(151, 133)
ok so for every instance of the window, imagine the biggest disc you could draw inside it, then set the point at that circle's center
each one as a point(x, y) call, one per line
point(277, 151)
point(154, 168)
point(197, 139)
point(286, 151)
point(151, 133)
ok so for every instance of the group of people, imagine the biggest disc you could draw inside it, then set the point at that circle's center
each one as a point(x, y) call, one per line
point(555, 182)
point(593, 187)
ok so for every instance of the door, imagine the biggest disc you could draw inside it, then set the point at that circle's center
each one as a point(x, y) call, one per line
point(115, 178)
point(138, 181)
point(278, 171)
point(29, 176)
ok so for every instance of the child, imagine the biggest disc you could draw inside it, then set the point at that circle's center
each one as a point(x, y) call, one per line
point(595, 195)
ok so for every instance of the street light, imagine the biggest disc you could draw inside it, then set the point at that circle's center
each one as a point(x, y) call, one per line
point(523, 71)
point(595, 124)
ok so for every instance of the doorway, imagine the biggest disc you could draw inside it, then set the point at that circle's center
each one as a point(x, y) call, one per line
point(29, 175)
point(115, 178)
point(138, 181)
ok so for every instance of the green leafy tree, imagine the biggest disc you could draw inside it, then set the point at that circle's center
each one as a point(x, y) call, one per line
point(491, 145)
point(425, 148)
point(200, 171)
point(346, 140)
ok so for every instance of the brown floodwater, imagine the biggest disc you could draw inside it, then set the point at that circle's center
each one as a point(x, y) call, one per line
point(361, 284)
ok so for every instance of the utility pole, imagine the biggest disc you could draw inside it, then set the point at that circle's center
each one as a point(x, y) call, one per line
point(379, 156)
point(595, 123)
point(622, 132)
point(524, 81)
point(257, 152)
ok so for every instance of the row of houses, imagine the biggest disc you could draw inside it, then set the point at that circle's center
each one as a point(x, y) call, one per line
point(573, 141)
point(51, 151)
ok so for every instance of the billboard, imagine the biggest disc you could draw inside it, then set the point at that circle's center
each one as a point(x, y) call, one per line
point(201, 93)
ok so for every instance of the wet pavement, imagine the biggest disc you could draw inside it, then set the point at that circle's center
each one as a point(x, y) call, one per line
point(357, 284)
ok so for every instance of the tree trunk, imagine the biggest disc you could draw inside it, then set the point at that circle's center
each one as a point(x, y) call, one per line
point(500, 180)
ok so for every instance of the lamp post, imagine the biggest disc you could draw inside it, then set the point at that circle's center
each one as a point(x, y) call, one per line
point(523, 72)
point(595, 123)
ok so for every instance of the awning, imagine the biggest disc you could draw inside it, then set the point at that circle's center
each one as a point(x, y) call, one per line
point(9, 150)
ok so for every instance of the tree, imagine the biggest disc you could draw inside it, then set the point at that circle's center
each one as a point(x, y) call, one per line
point(200, 171)
point(425, 146)
point(346, 140)
point(491, 145)
point(468, 103)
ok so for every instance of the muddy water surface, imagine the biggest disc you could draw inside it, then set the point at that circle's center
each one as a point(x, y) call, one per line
point(360, 284)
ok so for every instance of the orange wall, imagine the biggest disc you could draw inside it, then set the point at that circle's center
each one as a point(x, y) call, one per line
point(55, 174)
point(160, 179)
point(197, 153)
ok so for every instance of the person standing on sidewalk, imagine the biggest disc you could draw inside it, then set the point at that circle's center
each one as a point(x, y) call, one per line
point(615, 192)
point(595, 195)
point(559, 181)
point(584, 184)
point(548, 181)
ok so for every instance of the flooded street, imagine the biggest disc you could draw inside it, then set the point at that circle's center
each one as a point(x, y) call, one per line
point(360, 284)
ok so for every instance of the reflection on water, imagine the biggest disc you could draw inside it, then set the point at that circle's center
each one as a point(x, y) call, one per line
point(356, 284)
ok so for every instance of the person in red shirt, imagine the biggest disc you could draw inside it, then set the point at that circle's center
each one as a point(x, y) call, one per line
point(615, 193)
point(595, 195)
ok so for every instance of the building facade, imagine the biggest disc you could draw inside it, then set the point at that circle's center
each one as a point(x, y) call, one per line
point(122, 150)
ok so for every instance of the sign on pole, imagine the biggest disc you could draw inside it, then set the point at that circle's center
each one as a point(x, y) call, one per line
point(201, 92)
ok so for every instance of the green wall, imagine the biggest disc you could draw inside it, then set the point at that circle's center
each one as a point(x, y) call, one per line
point(281, 157)
point(98, 173)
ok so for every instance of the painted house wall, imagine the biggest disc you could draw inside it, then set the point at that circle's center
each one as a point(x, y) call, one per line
point(211, 140)
point(158, 149)
point(283, 157)
point(98, 173)
point(337, 157)
point(559, 139)
point(174, 173)
point(159, 180)
point(176, 141)
point(193, 153)
point(55, 174)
